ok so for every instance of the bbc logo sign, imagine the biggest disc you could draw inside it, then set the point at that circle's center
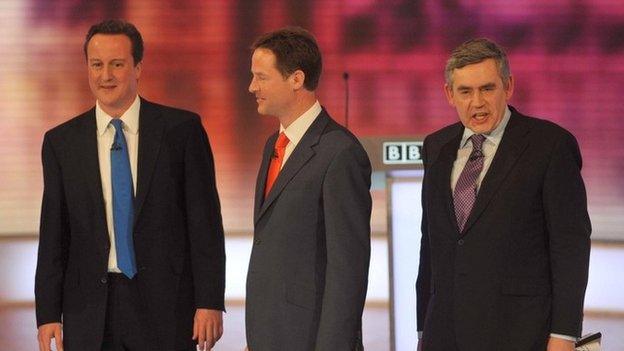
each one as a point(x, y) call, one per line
point(402, 152)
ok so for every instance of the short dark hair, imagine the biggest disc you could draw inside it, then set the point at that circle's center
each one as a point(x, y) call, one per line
point(117, 26)
point(475, 51)
point(295, 49)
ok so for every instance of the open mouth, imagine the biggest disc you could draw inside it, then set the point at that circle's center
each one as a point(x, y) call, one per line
point(480, 116)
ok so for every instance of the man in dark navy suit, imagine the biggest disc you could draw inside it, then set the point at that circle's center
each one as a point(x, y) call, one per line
point(131, 250)
point(505, 230)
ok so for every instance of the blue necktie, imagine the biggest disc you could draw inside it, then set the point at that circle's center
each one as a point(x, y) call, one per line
point(123, 196)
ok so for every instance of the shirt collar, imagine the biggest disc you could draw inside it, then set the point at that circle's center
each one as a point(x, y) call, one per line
point(297, 129)
point(494, 136)
point(130, 118)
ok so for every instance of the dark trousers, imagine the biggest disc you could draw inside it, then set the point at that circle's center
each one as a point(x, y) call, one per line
point(126, 327)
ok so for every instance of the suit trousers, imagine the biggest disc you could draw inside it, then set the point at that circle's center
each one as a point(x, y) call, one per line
point(126, 327)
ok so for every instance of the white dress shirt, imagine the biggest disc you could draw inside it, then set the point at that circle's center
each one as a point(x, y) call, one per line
point(489, 147)
point(297, 129)
point(105, 137)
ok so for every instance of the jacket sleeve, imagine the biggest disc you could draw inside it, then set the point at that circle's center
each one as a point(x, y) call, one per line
point(53, 240)
point(569, 228)
point(423, 282)
point(347, 210)
point(204, 222)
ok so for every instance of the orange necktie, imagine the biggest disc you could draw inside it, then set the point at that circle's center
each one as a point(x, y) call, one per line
point(276, 161)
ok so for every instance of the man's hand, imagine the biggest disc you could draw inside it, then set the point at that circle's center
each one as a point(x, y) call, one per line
point(558, 344)
point(46, 333)
point(207, 328)
point(419, 347)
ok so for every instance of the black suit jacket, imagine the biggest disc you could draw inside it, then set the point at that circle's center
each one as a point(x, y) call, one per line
point(519, 270)
point(308, 271)
point(178, 233)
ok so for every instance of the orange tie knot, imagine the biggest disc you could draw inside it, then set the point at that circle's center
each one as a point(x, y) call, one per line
point(282, 141)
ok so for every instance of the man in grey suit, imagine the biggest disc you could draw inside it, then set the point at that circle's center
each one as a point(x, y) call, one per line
point(308, 271)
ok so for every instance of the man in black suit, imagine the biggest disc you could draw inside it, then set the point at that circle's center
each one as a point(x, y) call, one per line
point(308, 271)
point(505, 230)
point(131, 250)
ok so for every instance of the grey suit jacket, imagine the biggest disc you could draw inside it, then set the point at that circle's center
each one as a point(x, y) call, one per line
point(308, 271)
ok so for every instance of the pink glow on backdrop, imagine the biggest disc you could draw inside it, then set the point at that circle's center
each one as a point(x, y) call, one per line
point(566, 57)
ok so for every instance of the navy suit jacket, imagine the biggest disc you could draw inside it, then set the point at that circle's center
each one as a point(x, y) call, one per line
point(178, 232)
point(518, 271)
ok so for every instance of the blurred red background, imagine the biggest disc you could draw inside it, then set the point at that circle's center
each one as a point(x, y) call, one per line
point(566, 56)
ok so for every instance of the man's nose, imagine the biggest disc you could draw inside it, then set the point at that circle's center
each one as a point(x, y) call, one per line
point(107, 73)
point(477, 98)
point(253, 86)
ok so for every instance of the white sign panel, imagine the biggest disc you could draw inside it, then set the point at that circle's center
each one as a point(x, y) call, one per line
point(402, 152)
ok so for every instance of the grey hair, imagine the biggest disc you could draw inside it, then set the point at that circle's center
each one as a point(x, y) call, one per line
point(475, 51)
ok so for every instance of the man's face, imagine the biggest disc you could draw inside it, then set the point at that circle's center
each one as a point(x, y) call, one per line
point(275, 94)
point(479, 95)
point(113, 77)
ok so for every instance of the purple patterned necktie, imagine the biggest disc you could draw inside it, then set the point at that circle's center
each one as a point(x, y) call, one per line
point(466, 188)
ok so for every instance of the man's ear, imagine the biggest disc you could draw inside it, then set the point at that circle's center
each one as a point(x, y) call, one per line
point(297, 78)
point(448, 92)
point(138, 68)
point(509, 88)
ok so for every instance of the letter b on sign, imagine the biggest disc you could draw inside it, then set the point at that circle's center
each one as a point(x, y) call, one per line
point(413, 152)
point(394, 152)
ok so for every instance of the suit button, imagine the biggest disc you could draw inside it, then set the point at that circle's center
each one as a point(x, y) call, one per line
point(103, 280)
point(257, 241)
point(460, 242)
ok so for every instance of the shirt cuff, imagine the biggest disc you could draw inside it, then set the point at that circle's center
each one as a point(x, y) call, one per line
point(564, 337)
point(420, 334)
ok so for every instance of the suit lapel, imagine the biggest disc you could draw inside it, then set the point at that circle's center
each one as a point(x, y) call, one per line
point(299, 157)
point(262, 174)
point(440, 172)
point(512, 145)
point(88, 161)
point(151, 127)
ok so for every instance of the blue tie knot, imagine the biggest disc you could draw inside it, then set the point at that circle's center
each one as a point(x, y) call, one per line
point(119, 142)
point(117, 123)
